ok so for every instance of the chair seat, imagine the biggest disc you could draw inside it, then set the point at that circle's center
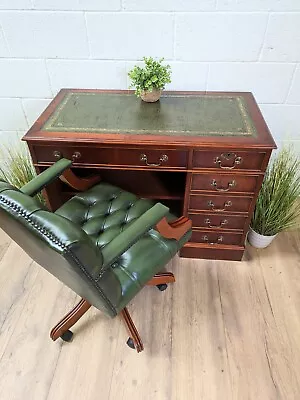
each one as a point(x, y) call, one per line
point(103, 212)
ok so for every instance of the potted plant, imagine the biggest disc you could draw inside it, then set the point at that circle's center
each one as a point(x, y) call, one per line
point(277, 207)
point(150, 80)
point(16, 166)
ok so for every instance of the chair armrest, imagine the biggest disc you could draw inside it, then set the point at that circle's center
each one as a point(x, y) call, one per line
point(132, 233)
point(76, 183)
point(43, 179)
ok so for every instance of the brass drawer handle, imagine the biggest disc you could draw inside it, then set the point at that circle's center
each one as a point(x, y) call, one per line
point(222, 223)
point(230, 185)
point(228, 156)
point(227, 204)
point(163, 158)
point(76, 155)
point(205, 238)
point(57, 155)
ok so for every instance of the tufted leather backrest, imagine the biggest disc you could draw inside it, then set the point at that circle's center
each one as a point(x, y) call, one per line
point(57, 244)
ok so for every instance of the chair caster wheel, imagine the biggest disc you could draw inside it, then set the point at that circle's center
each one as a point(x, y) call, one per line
point(162, 287)
point(130, 343)
point(67, 336)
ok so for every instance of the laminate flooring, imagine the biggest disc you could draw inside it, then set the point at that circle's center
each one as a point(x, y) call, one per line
point(224, 330)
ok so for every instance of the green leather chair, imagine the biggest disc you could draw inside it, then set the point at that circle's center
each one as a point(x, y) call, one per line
point(104, 243)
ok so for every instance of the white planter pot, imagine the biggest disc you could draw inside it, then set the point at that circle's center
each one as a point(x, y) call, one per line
point(259, 241)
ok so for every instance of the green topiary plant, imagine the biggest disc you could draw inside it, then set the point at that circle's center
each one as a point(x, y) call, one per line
point(16, 166)
point(154, 76)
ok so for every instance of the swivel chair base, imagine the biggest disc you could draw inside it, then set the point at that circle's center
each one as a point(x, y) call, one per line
point(62, 328)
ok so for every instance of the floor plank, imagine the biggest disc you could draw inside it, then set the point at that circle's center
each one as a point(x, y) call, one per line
point(16, 278)
point(224, 330)
point(29, 358)
point(5, 241)
point(200, 366)
point(148, 374)
point(245, 328)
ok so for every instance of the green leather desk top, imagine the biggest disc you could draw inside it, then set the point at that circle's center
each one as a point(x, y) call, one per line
point(176, 114)
point(179, 119)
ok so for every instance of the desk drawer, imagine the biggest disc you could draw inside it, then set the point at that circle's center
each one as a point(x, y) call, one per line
point(215, 238)
point(217, 221)
point(155, 158)
point(228, 160)
point(224, 183)
point(218, 204)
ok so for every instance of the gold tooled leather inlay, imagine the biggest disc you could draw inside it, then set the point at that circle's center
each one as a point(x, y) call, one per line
point(191, 115)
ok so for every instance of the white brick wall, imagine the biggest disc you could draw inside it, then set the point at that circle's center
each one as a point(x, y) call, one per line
point(211, 45)
point(219, 36)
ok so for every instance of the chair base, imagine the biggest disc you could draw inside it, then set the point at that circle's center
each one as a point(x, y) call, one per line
point(70, 319)
point(62, 329)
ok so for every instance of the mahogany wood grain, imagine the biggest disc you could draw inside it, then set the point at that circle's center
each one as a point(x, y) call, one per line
point(224, 183)
point(140, 157)
point(225, 160)
point(76, 183)
point(53, 194)
point(133, 332)
point(202, 159)
point(262, 141)
point(175, 229)
point(145, 183)
point(70, 319)
point(161, 278)
point(220, 203)
point(212, 252)
point(218, 221)
point(187, 190)
point(216, 238)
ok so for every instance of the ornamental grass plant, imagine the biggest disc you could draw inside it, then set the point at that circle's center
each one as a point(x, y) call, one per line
point(278, 204)
point(16, 166)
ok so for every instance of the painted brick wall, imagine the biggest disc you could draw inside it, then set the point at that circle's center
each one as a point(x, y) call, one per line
point(211, 44)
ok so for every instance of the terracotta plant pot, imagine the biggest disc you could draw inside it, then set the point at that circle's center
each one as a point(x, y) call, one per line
point(151, 97)
point(259, 241)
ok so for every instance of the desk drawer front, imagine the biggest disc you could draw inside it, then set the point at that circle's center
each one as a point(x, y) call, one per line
point(228, 160)
point(155, 158)
point(224, 183)
point(218, 221)
point(215, 238)
point(218, 204)
point(110, 156)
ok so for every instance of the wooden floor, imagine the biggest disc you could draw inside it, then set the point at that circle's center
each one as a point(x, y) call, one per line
point(224, 330)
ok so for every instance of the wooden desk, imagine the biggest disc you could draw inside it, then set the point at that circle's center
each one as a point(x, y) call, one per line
point(202, 154)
